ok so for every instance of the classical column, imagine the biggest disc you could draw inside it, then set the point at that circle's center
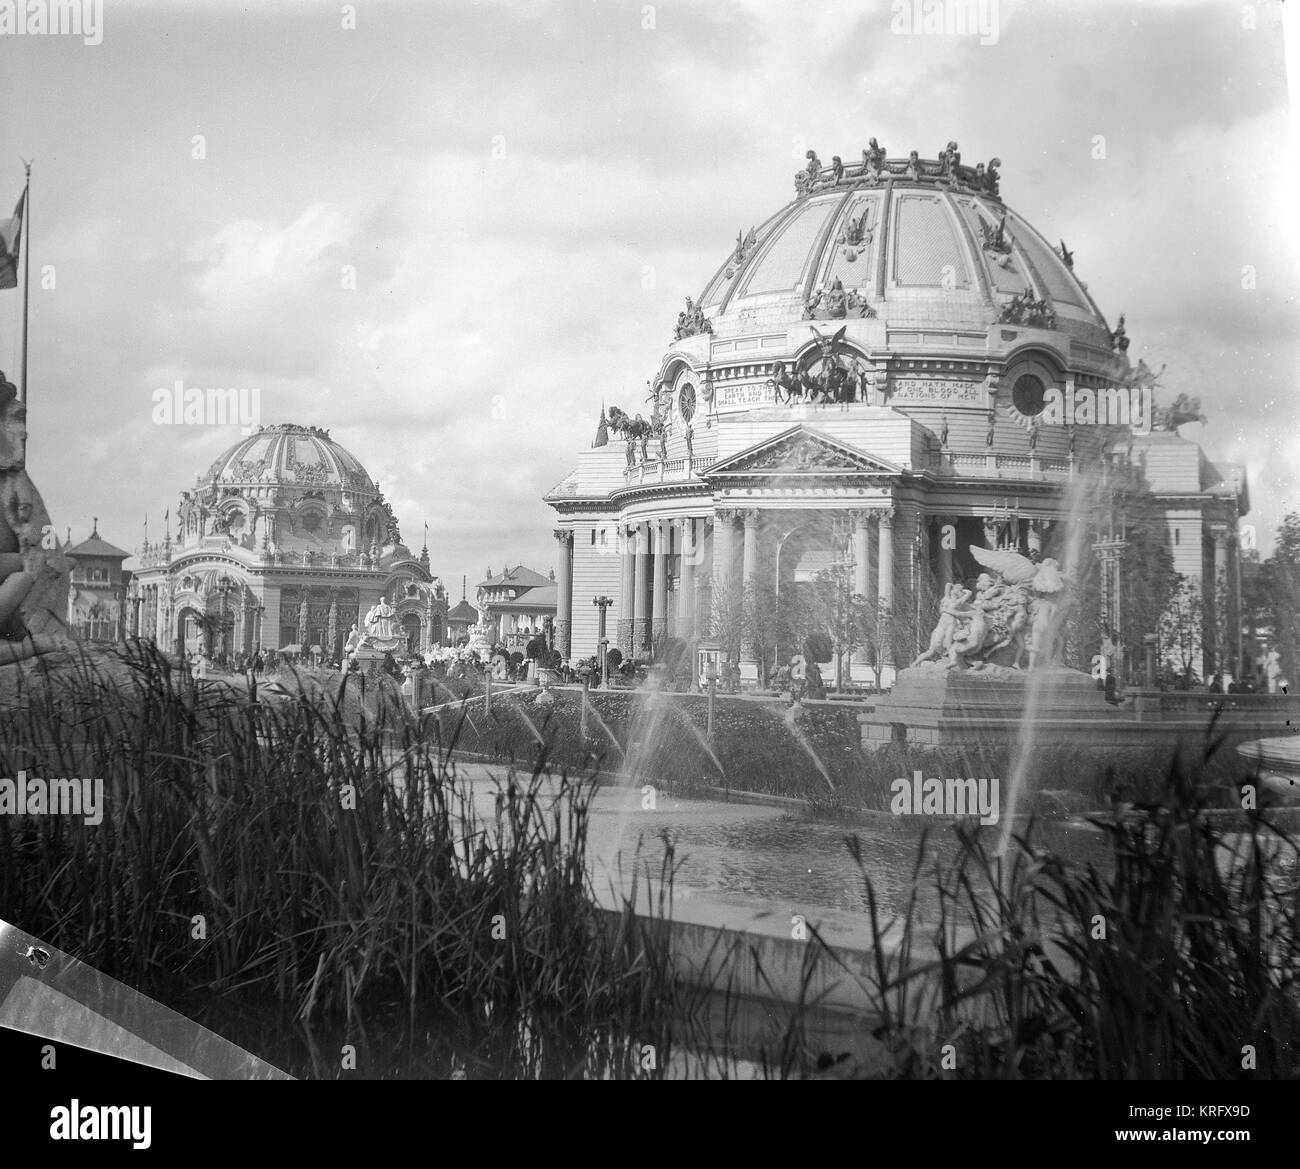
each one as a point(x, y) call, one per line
point(640, 608)
point(1238, 642)
point(564, 598)
point(1036, 536)
point(627, 594)
point(724, 520)
point(750, 571)
point(861, 571)
point(659, 602)
point(861, 555)
point(945, 551)
point(885, 577)
point(748, 660)
point(1220, 594)
point(686, 585)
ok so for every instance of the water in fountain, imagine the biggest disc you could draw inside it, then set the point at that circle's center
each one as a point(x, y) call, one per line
point(592, 712)
point(1080, 499)
point(790, 721)
point(532, 726)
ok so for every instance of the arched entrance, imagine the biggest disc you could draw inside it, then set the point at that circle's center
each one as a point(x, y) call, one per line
point(191, 631)
point(410, 626)
point(806, 565)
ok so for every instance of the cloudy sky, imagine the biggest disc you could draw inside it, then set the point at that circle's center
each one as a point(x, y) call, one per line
point(526, 191)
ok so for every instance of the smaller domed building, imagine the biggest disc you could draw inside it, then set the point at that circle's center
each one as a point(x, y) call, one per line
point(283, 543)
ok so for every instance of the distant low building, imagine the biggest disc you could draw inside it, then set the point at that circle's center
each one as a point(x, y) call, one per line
point(518, 604)
point(97, 589)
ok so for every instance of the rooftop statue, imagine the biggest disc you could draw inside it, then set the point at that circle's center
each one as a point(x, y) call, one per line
point(1119, 338)
point(806, 178)
point(1184, 409)
point(1145, 376)
point(632, 429)
point(744, 249)
point(995, 238)
point(1026, 309)
point(33, 572)
point(691, 321)
point(947, 170)
point(829, 372)
point(992, 178)
point(835, 302)
point(855, 234)
point(873, 159)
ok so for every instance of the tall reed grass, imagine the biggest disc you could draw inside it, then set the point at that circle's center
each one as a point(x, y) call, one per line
point(1177, 960)
point(316, 850)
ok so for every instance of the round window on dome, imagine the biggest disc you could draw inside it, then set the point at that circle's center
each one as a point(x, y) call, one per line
point(1029, 395)
point(686, 402)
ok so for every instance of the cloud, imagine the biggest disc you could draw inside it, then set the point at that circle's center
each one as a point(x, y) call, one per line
point(526, 192)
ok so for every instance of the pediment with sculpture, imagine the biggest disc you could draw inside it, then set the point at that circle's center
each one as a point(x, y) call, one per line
point(802, 452)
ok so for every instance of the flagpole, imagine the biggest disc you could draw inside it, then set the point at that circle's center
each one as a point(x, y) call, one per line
point(27, 268)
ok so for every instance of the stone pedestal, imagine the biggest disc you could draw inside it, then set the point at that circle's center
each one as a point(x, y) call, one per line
point(939, 707)
point(370, 661)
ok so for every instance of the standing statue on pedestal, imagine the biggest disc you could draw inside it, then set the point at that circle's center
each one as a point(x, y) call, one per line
point(379, 621)
point(33, 577)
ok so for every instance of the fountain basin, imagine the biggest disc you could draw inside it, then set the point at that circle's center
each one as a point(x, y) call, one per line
point(1276, 764)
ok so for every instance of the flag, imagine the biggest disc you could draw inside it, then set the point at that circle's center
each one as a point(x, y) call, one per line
point(11, 237)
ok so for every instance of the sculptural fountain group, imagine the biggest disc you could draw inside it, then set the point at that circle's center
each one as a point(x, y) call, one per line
point(1012, 615)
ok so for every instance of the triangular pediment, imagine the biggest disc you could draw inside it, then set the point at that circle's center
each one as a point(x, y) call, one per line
point(802, 451)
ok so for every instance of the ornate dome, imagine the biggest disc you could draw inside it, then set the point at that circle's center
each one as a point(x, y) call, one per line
point(915, 244)
point(289, 455)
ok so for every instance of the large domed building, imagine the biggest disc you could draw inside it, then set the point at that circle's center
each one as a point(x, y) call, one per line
point(881, 375)
point(283, 543)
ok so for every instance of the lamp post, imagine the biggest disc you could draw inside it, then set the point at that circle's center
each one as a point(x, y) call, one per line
point(602, 642)
point(712, 675)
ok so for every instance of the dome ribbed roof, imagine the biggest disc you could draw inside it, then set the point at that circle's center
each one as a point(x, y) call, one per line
point(298, 456)
point(917, 243)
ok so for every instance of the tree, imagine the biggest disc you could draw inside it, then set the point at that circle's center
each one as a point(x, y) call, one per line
point(1147, 576)
point(1278, 594)
point(748, 622)
point(844, 618)
point(1181, 627)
